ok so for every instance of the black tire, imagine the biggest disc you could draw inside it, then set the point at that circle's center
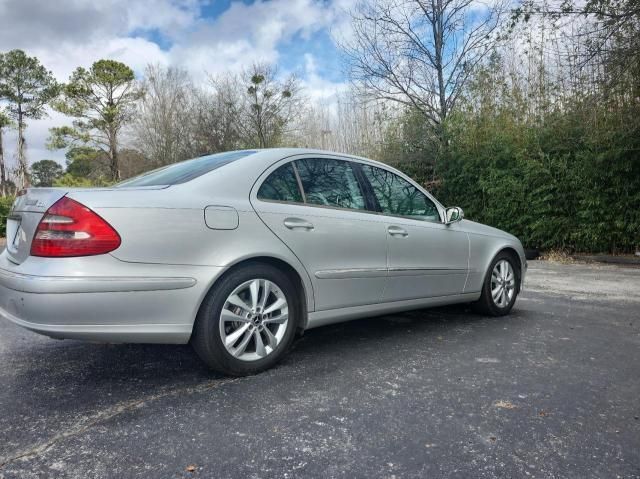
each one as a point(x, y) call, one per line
point(486, 305)
point(206, 339)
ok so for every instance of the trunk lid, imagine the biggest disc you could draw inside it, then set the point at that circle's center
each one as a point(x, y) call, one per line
point(29, 208)
point(24, 217)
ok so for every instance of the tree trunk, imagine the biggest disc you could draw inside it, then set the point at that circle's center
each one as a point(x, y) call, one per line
point(113, 156)
point(23, 168)
point(114, 165)
point(438, 40)
point(3, 173)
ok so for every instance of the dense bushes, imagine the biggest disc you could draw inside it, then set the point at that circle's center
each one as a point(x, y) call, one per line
point(560, 184)
point(5, 206)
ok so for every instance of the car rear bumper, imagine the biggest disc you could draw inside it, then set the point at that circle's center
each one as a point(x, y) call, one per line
point(144, 304)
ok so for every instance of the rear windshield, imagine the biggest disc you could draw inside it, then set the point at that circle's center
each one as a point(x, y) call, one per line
point(185, 170)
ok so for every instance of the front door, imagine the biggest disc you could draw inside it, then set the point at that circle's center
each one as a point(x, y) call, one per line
point(426, 258)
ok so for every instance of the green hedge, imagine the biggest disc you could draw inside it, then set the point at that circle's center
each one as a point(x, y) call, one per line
point(5, 206)
point(557, 186)
point(567, 179)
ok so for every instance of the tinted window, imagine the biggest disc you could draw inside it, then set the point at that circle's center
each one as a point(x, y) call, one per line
point(281, 185)
point(399, 197)
point(185, 170)
point(330, 183)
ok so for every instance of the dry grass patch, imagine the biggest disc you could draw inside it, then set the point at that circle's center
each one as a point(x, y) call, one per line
point(558, 256)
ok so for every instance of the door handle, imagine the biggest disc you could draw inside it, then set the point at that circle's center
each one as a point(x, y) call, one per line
point(397, 231)
point(293, 223)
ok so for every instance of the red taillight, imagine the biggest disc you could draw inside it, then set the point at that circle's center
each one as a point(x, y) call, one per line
point(69, 228)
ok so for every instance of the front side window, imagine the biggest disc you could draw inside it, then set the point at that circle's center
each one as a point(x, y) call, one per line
point(281, 185)
point(329, 182)
point(398, 197)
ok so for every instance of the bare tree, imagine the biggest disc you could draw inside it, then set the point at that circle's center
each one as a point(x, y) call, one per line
point(344, 123)
point(217, 115)
point(162, 127)
point(268, 106)
point(602, 40)
point(420, 53)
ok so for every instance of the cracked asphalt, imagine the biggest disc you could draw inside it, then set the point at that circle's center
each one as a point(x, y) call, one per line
point(553, 390)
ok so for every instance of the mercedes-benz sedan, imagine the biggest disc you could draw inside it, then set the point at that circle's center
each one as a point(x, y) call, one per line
point(237, 252)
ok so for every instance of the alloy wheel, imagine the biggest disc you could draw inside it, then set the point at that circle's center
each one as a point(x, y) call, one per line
point(254, 319)
point(503, 283)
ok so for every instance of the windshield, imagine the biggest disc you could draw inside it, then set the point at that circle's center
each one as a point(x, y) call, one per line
point(185, 170)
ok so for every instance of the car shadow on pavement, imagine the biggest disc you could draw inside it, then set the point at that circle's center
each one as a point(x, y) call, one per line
point(87, 382)
point(99, 364)
point(46, 370)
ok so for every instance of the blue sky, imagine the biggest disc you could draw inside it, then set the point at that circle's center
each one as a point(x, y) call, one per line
point(202, 36)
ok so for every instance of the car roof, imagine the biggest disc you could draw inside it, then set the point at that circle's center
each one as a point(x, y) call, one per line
point(284, 152)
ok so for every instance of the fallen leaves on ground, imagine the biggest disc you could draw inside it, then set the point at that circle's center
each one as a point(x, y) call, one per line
point(505, 404)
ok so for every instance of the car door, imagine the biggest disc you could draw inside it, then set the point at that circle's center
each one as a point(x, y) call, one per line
point(426, 258)
point(317, 208)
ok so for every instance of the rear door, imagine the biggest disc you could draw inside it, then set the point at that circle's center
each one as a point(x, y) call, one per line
point(316, 206)
point(426, 258)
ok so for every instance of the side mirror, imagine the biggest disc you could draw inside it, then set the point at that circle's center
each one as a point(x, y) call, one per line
point(453, 214)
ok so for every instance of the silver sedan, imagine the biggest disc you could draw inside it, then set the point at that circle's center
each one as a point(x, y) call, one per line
point(237, 252)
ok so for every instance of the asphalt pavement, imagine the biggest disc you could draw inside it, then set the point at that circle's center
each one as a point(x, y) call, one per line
point(553, 390)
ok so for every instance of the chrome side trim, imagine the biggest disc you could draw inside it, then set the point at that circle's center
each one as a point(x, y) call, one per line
point(417, 271)
point(382, 272)
point(27, 283)
point(351, 273)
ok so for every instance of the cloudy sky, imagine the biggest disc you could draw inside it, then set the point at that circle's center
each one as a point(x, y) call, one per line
point(202, 36)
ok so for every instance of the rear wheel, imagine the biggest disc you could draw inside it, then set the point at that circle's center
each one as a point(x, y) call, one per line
point(247, 321)
point(501, 286)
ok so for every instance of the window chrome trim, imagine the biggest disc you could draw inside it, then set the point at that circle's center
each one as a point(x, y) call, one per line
point(363, 161)
point(339, 208)
point(299, 181)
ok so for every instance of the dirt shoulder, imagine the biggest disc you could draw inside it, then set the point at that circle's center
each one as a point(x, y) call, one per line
point(585, 281)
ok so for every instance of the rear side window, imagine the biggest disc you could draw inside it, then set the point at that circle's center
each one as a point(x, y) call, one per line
point(281, 185)
point(398, 197)
point(185, 170)
point(330, 183)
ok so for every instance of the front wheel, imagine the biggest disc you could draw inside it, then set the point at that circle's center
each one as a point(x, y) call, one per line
point(501, 286)
point(247, 321)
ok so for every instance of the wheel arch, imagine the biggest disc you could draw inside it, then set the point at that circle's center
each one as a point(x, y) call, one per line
point(305, 296)
point(512, 252)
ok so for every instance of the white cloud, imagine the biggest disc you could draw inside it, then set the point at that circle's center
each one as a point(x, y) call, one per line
point(65, 35)
point(245, 34)
point(320, 90)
